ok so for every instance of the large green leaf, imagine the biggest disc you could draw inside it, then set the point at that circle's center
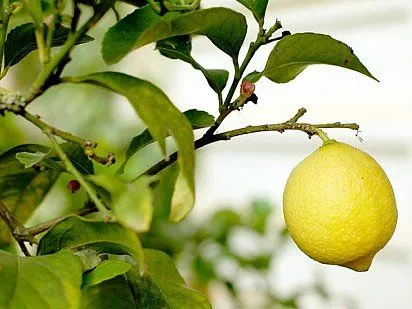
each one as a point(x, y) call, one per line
point(77, 233)
point(162, 119)
point(106, 270)
point(50, 281)
point(296, 52)
point(161, 285)
point(31, 197)
point(119, 40)
point(257, 7)
point(132, 203)
point(180, 48)
point(22, 189)
point(198, 119)
point(110, 294)
point(22, 40)
point(224, 27)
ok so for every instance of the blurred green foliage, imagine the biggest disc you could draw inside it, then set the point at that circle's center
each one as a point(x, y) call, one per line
point(228, 250)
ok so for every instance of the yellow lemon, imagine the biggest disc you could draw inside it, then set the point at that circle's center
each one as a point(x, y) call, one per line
point(339, 206)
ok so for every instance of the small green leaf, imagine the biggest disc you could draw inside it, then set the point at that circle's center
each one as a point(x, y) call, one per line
point(76, 233)
point(180, 48)
point(162, 119)
point(296, 52)
point(198, 119)
point(224, 27)
point(50, 281)
point(22, 40)
point(29, 159)
point(104, 271)
point(257, 7)
point(161, 286)
point(254, 76)
point(114, 293)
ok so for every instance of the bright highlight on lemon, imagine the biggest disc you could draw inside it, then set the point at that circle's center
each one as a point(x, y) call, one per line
point(339, 206)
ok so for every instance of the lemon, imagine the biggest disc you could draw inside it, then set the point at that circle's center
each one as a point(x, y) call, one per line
point(339, 206)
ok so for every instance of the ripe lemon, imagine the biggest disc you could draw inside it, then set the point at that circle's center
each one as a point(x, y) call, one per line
point(339, 206)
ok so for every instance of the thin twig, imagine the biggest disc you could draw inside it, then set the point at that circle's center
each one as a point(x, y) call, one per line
point(87, 145)
point(17, 229)
point(42, 227)
point(225, 109)
point(41, 83)
point(310, 129)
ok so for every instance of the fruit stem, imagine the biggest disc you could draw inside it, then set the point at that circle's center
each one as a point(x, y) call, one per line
point(322, 135)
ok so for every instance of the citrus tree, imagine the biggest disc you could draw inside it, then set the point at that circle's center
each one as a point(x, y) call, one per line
point(93, 258)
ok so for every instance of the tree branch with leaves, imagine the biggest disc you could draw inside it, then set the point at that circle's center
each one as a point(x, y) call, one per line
point(123, 208)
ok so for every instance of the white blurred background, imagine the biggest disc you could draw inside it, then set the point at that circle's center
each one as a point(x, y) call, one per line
point(234, 172)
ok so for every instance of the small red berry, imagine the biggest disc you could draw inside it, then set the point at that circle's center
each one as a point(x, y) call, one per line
point(247, 88)
point(73, 186)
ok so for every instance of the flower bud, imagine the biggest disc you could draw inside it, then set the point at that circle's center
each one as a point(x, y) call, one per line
point(247, 88)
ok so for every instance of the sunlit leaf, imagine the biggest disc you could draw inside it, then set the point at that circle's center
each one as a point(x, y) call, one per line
point(29, 159)
point(50, 281)
point(104, 271)
point(132, 202)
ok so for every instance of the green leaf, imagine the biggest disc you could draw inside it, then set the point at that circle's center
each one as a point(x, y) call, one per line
point(224, 27)
point(257, 7)
point(21, 41)
point(109, 294)
point(120, 39)
point(50, 281)
point(198, 120)
point(161, 286)
point(162, 119)
point(76, 155)
point(104, 271)
point(253, 76)
point(76, 233)
point(163, 192)
point(180, 48)
point(132, 202)
point(295, 52)
point(29, 159)
point(33, 195)
point(22, 189)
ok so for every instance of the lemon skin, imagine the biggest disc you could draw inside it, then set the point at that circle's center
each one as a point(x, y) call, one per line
point(339, 206)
